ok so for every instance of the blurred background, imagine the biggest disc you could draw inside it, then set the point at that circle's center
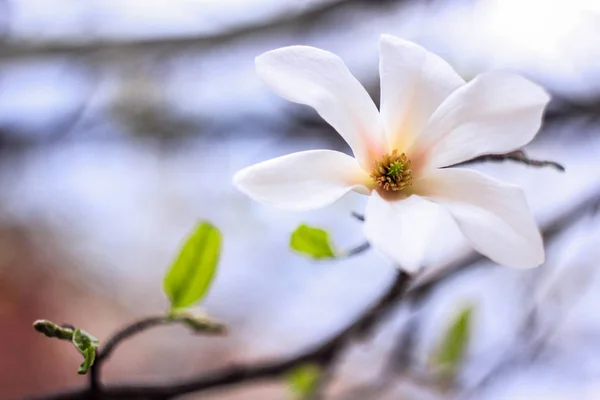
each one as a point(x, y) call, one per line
point(122, 122)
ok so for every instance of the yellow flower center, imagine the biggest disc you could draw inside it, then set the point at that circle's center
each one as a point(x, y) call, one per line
point(392, 172)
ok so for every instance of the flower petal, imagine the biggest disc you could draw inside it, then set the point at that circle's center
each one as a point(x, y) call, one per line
point(493, 215)
point(495, 113)
point(414, 82)
point(400, 229)
point(302, 181)
point(320, 79)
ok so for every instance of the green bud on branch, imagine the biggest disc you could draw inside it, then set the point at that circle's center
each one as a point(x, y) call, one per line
point(52, 330)
point(85, 343)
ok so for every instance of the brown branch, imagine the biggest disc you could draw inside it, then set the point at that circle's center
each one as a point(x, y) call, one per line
point(324, 354)
point(361, 248)
point(122, 335)
point(566, 109)
point(128, 332)
point(517, 155)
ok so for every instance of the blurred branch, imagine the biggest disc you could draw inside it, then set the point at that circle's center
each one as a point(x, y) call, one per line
point(324, 354)
point(200, 42)
point(398, 364)
point(401, 358)
point(358, 216)
point(361, 248)
point(566, 109)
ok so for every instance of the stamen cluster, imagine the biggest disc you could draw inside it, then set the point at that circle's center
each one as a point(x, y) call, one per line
point(392, 172)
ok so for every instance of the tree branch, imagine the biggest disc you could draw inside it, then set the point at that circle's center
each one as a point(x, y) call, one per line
point(517, 155)
point(361, 248)
point(118, 338)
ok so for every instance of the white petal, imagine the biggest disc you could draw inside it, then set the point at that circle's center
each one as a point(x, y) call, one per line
point(400, 229)
point(302, 181)
point(414, 82)
point(495, 113)
point(320, 79)
point(493, 215)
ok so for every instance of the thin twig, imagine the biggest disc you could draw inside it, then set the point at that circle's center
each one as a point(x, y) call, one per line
point(129, 331)
point(518, 156)
point(361, 248)
point(119, 337)
point(358, 216)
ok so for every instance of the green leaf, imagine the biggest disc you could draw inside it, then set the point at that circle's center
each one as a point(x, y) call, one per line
point(89, 356)
point(454, 345)
point(312, 242)
point(304, 380)
point(83, 340)
point(86, 344)
point(192, 272)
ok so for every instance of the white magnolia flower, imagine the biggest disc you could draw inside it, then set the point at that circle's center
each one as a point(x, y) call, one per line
point(430, 118)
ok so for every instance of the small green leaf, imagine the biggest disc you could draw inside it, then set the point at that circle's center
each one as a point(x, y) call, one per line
point(192, 272)
point(304, 380)
point(86, 344)
point(312, 242)
point(83, 340)
point(454, 345)
point(89, 356)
